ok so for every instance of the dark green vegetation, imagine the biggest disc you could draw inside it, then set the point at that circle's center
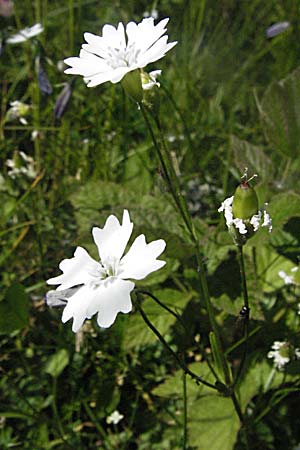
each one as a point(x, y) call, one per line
point(229, 98)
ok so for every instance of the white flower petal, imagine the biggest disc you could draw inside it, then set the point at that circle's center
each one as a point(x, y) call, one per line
point(113, 296)
point(239, 225)
point(113, 75)
point(80, 269)
point(141, 260)
point(77, 306)
point(107, 299)
point(113, 238)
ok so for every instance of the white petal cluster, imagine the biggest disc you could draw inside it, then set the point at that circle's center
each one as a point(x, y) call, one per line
point(25, 34)
point(283, 352)
point(104, 285)
point(21, 165)
point(279, 354)
point(149, 80)
point(114, 418)
point(261, 219)
point(17, 110)
point(118, 51)
point(289, 279)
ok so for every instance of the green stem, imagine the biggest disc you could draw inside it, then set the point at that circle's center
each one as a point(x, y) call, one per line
point(245, 311)
point(100, 429)
point(174, 186)
point(56, 415)
point(163, 306)
point(185, 430)
point(181, 363)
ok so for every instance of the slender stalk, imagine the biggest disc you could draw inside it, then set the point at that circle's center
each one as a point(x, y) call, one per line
point(245, 311)
point(185, 430)
point(56, 415)
point(103, 434)
point(181, 363)
point(174, 186)
point(162, 305)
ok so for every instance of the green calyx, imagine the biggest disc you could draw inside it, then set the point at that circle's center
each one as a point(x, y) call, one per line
point(132, 85)
point(245, 202)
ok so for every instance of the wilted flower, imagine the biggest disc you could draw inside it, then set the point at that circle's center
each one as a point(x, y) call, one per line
point(17, 110)
point(21, 164)
point(261, 219)
point(114, 54)
point(43, 80)
point(292, 278)
point(104, 285)
point(25, 34)
point(62, 101)
point(114, 418)
point(282, 353)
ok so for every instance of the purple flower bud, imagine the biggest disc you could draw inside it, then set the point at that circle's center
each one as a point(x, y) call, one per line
point(62, 101)
point(276, 29)
point(44, 83)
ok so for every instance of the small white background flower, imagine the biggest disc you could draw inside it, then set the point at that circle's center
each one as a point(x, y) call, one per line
point(105, 286)
point(114, 418)
point(25, 34)
point(111, 56)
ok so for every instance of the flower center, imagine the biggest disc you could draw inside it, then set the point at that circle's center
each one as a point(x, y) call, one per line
point(123, 57)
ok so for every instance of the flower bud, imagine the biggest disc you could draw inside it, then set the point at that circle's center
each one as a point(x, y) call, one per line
point(245, 202)
point(150, 87)
point(132, 85)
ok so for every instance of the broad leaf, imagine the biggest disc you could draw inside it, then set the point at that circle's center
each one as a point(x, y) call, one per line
point(280, 114)
point(57, 362)
point(14, 309)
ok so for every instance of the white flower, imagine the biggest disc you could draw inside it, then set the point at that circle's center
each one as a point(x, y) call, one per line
point(105, 286)
point(114, 418)
point(261, 219)
point(25, 34)
point(111, 56)
point(21, 164)
point(289, 279)
point(281, 354)
point(17, 110)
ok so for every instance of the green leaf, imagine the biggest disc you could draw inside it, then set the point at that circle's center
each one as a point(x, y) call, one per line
point(283, 207)
point(213, 423)
point(268, 264)
point(14, 309)
point(212, 420)
point(259, 378)
point(57, 363)
point(280, 114)
point(252, 157)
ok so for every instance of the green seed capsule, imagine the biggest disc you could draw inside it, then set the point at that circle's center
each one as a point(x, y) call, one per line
point(245, 202)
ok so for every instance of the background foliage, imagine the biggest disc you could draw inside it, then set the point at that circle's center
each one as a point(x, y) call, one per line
point(229, 99)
